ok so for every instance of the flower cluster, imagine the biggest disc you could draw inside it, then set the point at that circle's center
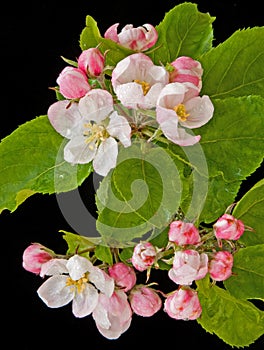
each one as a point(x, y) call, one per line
point(111, 292)
point(97, 116)
point(163, 124)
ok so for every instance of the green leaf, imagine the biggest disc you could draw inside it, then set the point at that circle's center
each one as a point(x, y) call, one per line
point(250, 209)
point(31, 161)
point(235, 67)
point(183, 31)
point(237, 322)
point(247, 281)
point(104, 254)
point(77, 243)
point(233, 143)
point(140, 195)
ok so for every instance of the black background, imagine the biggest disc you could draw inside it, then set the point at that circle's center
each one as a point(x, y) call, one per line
point(34, 34)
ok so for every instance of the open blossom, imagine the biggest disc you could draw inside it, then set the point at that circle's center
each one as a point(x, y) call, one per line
point(183, 233)
point(144, 301)
point(180, 107)
point(183, 304)
point(124, 275)
point(34, 256)
point(92, 127)
point(144, 256)
point(185, 69)
point(75, 280)
point(112, 314)
point(220, 266)
point(188, 266)
point(73, 83)
point(228, 227)
point(137, 82)
point(91, 62)
point(137, 39)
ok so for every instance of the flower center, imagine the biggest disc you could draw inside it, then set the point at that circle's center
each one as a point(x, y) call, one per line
point(95, 132)
point(79, 284)
point(144, 84)
point(181, 112)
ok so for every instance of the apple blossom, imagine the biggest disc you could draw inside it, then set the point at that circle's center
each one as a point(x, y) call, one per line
point(34, 256)
point(144, 301)
point(220, 266)
point(92, 127)
point(137, 82)
point(79, 282)
point(137, 39)
point(144, 255)
point(91, 62)
point(124, 275)
point(112, 314)
point(185, 69)
point(183, 233)
point(73, 83)
point(188, 266)
point(228, 227)
point(180, 107)
point(183, 304)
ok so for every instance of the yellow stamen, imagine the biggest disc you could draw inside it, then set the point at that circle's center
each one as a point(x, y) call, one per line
point(181, 112)
point(79, 284)
point(145, 86)
point(95, 132)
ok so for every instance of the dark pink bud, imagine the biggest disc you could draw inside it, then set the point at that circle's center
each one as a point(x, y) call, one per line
point(144, 301)
point(220, 266)
point(124, 275)
point(91, 62)
point(183, 304)
point(183, 233)
point(73, 83)
point(228, 227)
point(34, 257)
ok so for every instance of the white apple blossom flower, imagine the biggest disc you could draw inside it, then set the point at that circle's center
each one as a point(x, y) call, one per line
point(137, 82)
point(76, 280)
point(93, 129)
point(180, 107)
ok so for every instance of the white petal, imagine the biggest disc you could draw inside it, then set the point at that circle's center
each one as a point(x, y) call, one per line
point(130, 94)
point(96, 105)
point(102, 281)
point(54, 291)
point(201, 111)
point(105, 158)
point(85, 302)
point(77, 265)
point(78, 151)
point(119, 127)
point(100, 315)
point(54, 267)
point(65, 118)
point(169, 125)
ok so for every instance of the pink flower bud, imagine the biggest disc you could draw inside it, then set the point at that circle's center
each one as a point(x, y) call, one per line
point(138, 39)
point(183, 233)
point(186, 70)
point(183, 304)
point(144, 301)
point(73, 83)
point(188, 266)
point(228, 227)
point(220, 266)
point(91, 62)
point(144, 255)
point(124, 275)
point(34, 257)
